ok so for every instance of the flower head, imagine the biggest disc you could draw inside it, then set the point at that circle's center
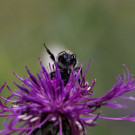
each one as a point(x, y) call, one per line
point(46, 104)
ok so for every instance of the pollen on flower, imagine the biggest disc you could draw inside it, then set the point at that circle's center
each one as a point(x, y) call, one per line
point(89, 121)
point(27, 117)
point(15, 106)
point(22, 116)
point(53, 119)
point(34, 119)
point(79, 125)
point(89, 88)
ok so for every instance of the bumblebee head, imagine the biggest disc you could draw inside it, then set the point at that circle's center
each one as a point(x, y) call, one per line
point(66, 59)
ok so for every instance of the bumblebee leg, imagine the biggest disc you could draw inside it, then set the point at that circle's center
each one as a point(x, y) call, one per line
point(49, 52)
point(52, 74)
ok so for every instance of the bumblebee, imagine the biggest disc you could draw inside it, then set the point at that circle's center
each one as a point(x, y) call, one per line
point(66, 61)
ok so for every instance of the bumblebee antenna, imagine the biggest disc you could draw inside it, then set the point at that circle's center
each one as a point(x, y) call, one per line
point(49, 52)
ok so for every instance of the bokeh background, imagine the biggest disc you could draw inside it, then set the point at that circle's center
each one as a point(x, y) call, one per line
point(103, 30)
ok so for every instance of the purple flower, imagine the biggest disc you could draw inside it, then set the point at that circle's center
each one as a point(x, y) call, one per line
point(46, 105)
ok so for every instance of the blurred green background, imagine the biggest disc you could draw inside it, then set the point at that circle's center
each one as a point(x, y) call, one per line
point(103, 30)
